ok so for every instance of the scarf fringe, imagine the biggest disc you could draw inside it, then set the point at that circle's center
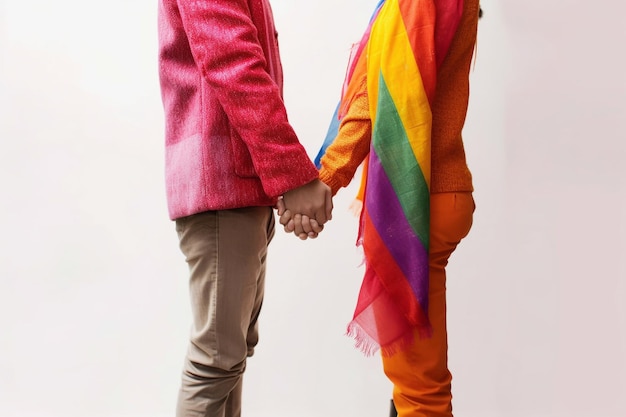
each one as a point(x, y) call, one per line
point(363, 341)
point(369, 346)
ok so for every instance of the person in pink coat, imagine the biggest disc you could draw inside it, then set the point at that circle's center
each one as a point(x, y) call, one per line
point(230, 153)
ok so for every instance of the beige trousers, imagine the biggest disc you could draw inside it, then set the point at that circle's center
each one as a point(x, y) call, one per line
point(226, 252)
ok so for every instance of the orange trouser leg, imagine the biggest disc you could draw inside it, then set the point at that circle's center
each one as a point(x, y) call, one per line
point(420, 375)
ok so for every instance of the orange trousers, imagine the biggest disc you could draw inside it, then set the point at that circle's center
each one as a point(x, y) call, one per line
point(422, 382)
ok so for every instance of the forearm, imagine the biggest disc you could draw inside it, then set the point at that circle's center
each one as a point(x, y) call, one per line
point(227, 48)
point(351, 147)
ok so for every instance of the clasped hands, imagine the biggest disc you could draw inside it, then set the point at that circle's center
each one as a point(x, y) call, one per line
point(304, 210)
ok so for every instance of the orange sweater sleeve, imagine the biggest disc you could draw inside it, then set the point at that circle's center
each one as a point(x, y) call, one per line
point(352, 144)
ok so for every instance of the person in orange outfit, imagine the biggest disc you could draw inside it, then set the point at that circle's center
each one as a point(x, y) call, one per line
point(419, 371)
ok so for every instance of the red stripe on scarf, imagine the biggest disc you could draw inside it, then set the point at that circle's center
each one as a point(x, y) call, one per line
point(384, 307)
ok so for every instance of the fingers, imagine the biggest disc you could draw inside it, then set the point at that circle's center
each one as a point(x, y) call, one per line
point(307, 227)
point(290, 226)
point(285, 219)
point(306, 224)
point(316, 229)
point(299, 228)
point(311, 227)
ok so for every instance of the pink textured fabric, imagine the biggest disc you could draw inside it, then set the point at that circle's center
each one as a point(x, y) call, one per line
point(228, 140)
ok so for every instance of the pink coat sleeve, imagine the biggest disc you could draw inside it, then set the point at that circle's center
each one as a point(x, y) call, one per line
point(225, 43)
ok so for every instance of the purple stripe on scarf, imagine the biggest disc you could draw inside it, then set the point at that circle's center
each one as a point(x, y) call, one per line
point(388, 217)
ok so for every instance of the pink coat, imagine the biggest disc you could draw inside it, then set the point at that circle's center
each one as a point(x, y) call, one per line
point(228, 141)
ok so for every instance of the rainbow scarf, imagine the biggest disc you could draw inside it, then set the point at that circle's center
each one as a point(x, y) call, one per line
point(399, 53)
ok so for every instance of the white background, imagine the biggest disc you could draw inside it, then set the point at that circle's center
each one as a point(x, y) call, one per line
point(93, 297)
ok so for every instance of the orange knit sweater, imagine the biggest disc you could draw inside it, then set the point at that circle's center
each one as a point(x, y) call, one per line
point(449, 171)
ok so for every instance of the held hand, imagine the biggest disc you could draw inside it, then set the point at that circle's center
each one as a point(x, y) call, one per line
point(301, 225)
point(305, 227)
point(313, 200)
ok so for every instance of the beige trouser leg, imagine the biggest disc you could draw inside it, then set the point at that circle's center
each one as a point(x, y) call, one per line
point(226, 252)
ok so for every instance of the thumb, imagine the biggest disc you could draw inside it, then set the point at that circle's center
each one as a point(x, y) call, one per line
point(280, 206)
